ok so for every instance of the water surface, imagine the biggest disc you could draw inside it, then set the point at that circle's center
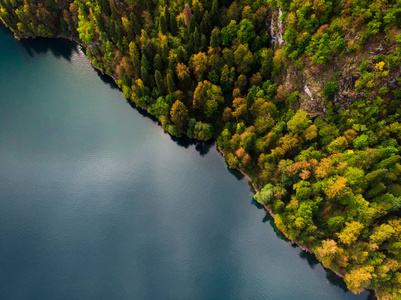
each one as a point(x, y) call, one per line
point(97, 202)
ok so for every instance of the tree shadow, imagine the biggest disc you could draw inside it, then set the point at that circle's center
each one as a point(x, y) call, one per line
point(237, 174)
point(107, 80)
point(310, 258)
point(335, 280)
point(201, 146)
point(268, 219)
point(60, 48)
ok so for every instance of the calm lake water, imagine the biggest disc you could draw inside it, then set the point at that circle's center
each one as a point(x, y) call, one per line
point(97, 202)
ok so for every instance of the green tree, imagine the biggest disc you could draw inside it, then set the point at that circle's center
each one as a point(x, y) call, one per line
point(246, 32)
point(170, 83)
point(203, 131)
point(299, 122)
point(159, 82)
point(243, 58)
point(227, 78)
point(330, 89)
point(215, 38)
point(208, 97)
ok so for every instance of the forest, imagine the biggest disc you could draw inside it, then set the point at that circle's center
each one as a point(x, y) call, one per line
point(303, 96)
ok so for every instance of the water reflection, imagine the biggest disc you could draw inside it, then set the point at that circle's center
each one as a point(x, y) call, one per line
point(202, 147)
point(333, 279)
point(310, 258)
point(63, 49)
point(237, 174)
point(107, 80)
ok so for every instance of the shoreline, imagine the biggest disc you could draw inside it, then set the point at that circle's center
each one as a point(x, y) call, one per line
point(245, 175)
point(293, 242)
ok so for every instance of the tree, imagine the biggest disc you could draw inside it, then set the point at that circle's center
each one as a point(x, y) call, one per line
point(359, 278)
point(173, 24)
point(179, 114)
point(208, 97)
point(199, 63)
point(327, 252)
point(266, 62)
point(159, 82)
point(183, 74)
point(203, 131)
point(382, 233)
point(240, 108)
point(145, 76)
point(299, 122)
point(350, 233)
point(163, 23)
point(215, 38)
point(330, 89)
point(187, 14)
point(232, 30)
point(336, 187)
point(243, 58)
point(241, 82)
point(225, 38)
point(214, 12)
point(227, 78)
point(158, 62)
point(266, 195)
point(246, 32)
point(361, 142)
point(200, 94)
point(256, 79)
point(170, 83)
point(338, 145)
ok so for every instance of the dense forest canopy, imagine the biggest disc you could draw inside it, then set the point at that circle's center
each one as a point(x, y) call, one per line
point(304, 96)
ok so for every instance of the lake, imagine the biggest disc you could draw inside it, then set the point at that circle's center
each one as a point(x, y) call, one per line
point(98, 202)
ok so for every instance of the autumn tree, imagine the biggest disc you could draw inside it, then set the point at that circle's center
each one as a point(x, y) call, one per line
point(179, 114)
point(199, 64)
point(350, 233)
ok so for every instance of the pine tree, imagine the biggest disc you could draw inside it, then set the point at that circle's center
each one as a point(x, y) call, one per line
point(170, 83)
point(159, 82)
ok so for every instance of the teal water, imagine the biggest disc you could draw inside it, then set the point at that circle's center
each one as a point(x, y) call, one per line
point(97, 202)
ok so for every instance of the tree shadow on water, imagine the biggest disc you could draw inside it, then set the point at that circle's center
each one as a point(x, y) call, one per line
point(335, 280)
point(108, 80)
point(60, 48)
point(201, 146)
point(310, 258)
point(237, 174)
point(268, 219)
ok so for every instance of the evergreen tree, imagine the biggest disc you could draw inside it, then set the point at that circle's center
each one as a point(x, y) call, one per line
point(159, 82)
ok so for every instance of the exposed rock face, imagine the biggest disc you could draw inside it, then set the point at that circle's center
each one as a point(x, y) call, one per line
point(310, 97)
point(277, 29)
point(308, 92)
